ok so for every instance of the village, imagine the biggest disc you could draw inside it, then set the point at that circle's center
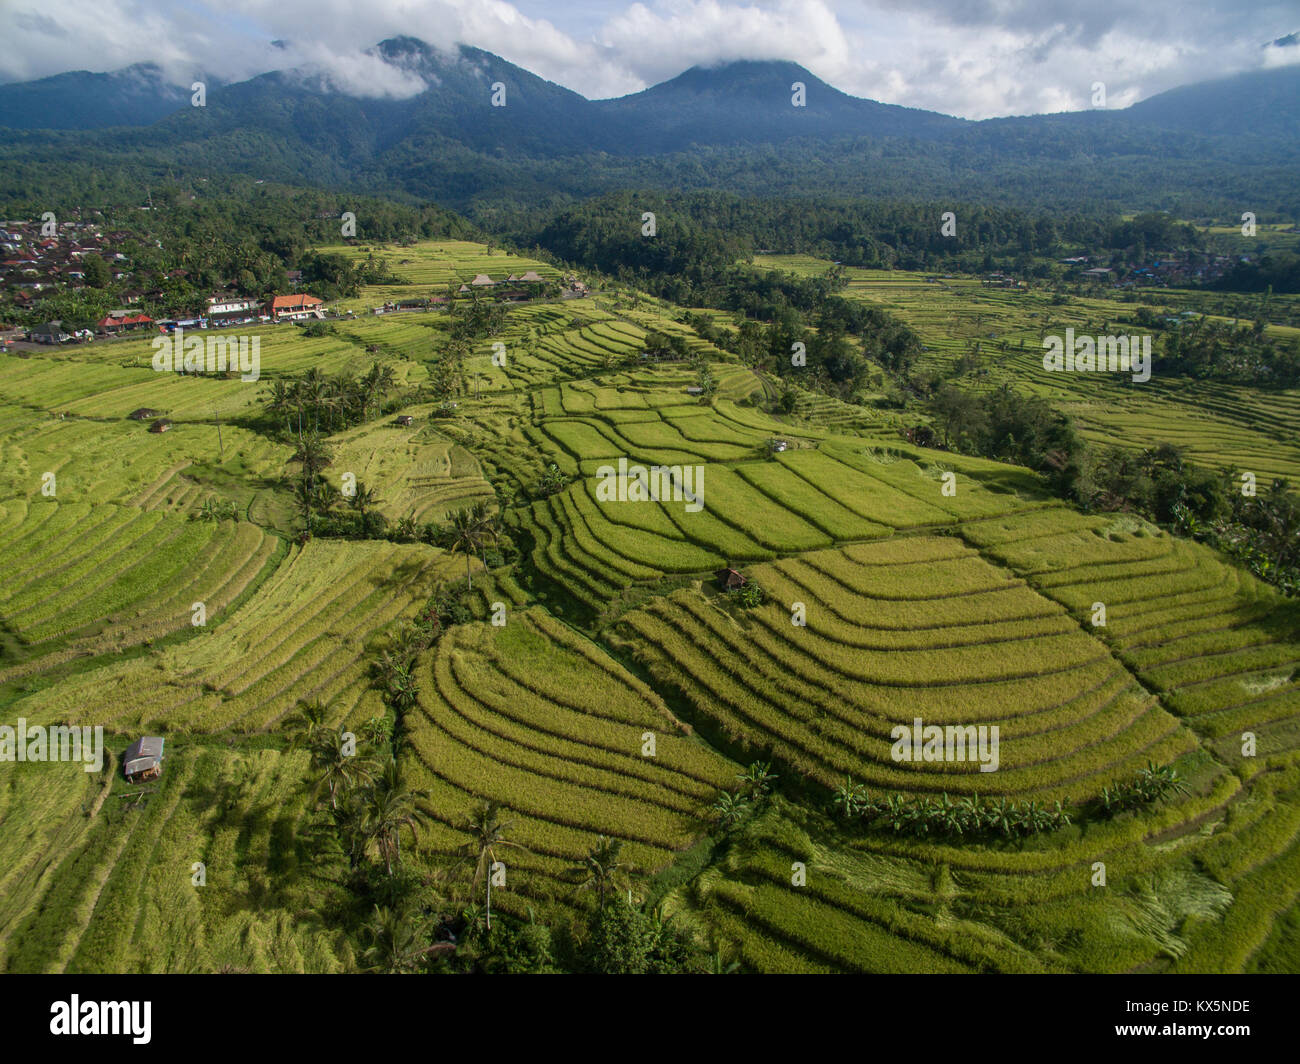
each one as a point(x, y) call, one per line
point(84, 255)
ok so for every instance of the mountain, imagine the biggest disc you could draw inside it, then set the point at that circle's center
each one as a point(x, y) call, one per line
point(1263, 103)
point(753, 102)
point(1198, 149)
point(134, 96)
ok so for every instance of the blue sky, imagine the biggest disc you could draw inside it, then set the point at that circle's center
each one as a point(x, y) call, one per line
point(974, 58)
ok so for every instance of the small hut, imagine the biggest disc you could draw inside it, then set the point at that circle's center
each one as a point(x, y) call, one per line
point(161, 425)
point(405, 420)
point(730, 579)
point(143, 759)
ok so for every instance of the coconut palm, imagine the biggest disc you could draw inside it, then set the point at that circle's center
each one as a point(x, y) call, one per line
point(315, 392)
point(600, 869)
point(391, 808)
point(308, 722)
point(487, 833)
point(336, 769)
point(487, 527)
point(394, 945)
point(362, 498)
point(465, 536)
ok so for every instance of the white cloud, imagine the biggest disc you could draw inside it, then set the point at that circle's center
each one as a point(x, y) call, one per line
point(975, 58)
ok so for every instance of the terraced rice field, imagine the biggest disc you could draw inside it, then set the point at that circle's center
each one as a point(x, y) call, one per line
point(303, 635)
point(969, 608)
point(828, 491)
point(414, 471)
point(1220, 425)
point(914, 627)
point(540, 720)
point(76, 905)
point(1220, 649)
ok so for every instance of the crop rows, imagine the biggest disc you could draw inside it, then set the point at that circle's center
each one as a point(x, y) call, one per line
point(952, 641)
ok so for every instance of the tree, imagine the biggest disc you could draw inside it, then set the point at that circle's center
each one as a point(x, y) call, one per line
point(626, 940)
point(336, 767)
point(600, 869)
point(487, 528)
point(394, 944)
point(552, 481)
point(487, 833)
point(758, 778)
point(852, 799)
point(362, 498)
point(471, 530)
point(98, 274)
point(391, 808)
point(730, 808)
point(308, 722)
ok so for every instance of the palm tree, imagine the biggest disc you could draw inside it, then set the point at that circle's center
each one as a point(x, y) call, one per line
point(313, 455)
point(487, 833)
point(394, 943)
point(281, 400)
point(362, 498)
point(373, 385)
point(465, 536)
point(487, 527)
point(600, 869)
point(392, 807)
point(335, 769)
point(315, 393)
point(308, 722)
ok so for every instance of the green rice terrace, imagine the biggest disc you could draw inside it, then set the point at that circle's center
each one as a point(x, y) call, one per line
point(691, 701)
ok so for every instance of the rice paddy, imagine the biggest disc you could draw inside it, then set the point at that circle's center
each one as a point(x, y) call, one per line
point(625, 691)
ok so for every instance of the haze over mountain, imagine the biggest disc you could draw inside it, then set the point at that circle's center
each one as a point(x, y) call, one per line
point(134, 96)
point(707, 127)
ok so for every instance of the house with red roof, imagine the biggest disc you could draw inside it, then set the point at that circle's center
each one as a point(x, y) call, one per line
point(296, 307)
point(121, 321)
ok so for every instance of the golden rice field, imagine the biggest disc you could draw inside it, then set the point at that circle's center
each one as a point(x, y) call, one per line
point(625, 691)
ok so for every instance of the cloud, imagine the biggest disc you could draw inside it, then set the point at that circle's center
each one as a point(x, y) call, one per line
point(975, 58)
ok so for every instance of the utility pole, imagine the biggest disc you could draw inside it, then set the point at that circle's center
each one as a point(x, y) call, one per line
point(220, 444)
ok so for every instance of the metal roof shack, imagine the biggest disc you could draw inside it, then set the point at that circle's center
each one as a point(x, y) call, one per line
point(730, 579)
point(143, 759)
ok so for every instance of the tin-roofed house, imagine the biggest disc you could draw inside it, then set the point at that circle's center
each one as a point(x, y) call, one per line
point(143, 759)
point(730, 579)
